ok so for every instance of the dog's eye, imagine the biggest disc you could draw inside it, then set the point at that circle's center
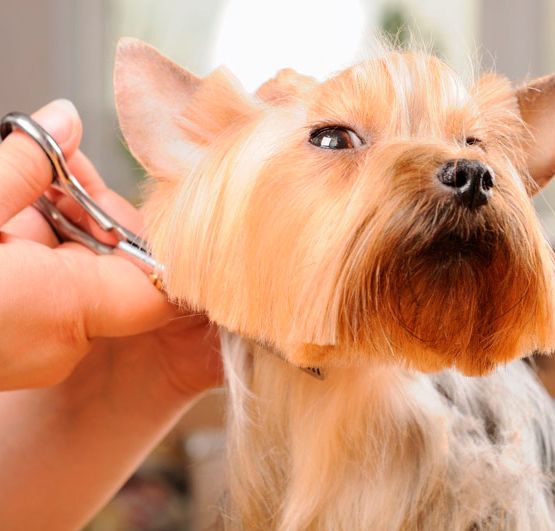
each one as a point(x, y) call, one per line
point(335, 138)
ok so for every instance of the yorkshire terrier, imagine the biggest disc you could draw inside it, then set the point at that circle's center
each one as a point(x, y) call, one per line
point(375, 230)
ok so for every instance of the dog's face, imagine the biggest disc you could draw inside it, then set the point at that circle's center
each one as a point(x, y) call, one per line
point(383, 214)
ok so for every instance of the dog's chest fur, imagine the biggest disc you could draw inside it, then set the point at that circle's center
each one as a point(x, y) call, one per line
point(383, 448)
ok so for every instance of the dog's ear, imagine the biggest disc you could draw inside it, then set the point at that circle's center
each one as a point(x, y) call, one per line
point(286, 85)
point(167, 114)
point(537, 108)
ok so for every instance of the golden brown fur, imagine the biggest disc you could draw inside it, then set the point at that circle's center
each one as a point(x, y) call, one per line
point(358, 261)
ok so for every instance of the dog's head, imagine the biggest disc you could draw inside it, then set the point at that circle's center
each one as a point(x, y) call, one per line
point(384, 213)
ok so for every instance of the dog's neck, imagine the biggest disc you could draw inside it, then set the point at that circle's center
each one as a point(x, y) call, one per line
point(312, 437)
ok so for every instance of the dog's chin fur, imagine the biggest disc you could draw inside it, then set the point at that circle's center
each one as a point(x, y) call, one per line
point(470, 295)
point(359, 261)
point(379, 447)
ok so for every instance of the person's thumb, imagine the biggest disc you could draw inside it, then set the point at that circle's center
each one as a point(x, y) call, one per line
point(25, 172)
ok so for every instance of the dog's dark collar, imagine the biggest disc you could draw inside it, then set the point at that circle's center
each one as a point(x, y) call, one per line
point(315, 372)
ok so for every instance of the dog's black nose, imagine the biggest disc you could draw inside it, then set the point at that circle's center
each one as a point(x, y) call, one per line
point(470, 180)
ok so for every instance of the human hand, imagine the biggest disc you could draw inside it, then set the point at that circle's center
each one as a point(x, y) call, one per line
point(57, 298)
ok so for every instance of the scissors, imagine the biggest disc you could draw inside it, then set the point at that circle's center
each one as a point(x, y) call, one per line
point(128, 243)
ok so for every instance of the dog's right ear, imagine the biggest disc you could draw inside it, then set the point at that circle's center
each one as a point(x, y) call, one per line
point(286, 85)
point(167, 114)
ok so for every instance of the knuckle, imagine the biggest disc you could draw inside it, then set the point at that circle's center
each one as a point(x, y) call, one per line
point(72, 336)
point(70, 332)
point(56, 361)
point(82, 298)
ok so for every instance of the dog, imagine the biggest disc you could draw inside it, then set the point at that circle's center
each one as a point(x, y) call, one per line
point(369, 249)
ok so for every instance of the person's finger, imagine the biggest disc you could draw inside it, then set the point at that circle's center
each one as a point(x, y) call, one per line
point(116, 298)
point(25, 171)
point(86, 173)
point(30, 224)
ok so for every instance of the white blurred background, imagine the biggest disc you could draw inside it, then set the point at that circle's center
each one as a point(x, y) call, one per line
point(54, 48)
point(65, 48)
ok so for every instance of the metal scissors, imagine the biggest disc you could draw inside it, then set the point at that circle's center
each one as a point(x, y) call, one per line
point(128, 243)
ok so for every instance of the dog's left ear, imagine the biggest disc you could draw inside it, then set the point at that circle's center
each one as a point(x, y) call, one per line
point(537, 108)
point(168, 115)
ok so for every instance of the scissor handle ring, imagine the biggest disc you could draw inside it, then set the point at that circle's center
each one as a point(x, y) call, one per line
point(19, 120)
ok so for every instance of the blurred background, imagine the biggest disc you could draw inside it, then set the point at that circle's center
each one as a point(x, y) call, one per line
point(65, 48)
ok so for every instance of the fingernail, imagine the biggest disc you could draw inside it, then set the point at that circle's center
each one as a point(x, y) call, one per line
point(59, 119)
